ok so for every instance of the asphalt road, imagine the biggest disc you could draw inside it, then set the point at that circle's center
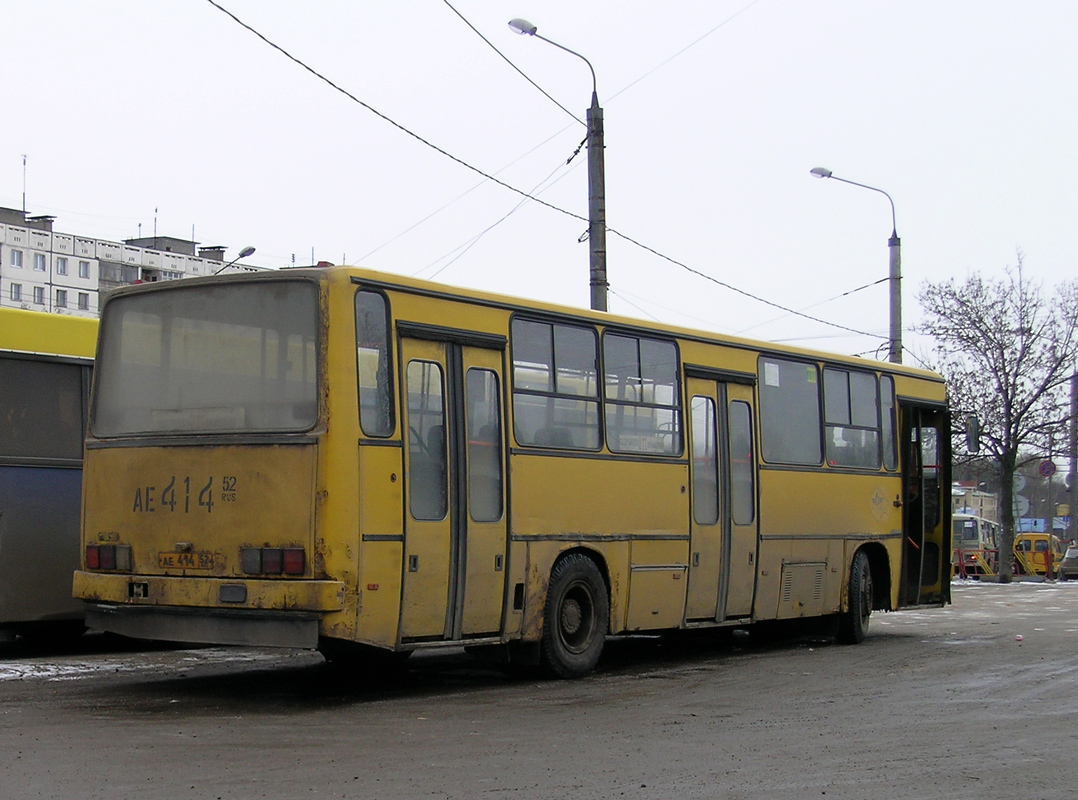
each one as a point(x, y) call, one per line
point(947, 703)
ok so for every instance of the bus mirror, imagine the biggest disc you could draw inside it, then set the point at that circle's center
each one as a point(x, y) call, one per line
point(973, 434)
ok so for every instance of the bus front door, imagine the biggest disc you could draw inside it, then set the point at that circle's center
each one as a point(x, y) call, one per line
point(926, 517)
point(455, 529)
point(723, 540)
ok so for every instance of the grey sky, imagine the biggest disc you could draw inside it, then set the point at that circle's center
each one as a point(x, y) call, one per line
point(962, 110)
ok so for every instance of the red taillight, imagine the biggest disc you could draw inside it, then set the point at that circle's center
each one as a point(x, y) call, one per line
point(273, 560)
point(294, 561)
point(108, 556)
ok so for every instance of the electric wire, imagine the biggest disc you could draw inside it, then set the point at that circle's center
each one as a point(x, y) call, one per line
point(386, 118)
point(514, 189)
point(815, 305)
point(514, 66)
point(475, 239)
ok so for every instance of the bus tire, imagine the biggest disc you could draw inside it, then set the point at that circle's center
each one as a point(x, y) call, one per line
point(853, 622)
point(576, 617)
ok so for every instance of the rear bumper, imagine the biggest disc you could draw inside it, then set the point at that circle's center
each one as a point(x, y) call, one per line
point(207, 625)
point(204, 592)
point(272, 613)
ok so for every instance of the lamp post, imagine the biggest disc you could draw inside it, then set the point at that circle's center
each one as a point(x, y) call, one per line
point(894, 246)
point(247, 251)
point(596, 176)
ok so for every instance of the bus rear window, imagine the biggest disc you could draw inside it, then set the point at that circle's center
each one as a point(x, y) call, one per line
point(234, 357)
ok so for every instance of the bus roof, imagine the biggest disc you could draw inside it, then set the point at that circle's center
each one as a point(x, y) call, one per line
point(53, 334)
point(391, 281)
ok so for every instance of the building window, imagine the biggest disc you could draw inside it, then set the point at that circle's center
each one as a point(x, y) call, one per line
point(39, 262)
point(16, 259)
point(84, 269)
point(39, 295)
point(16, 292)
point(61, 298)
point(84, 301)
point(61, 266)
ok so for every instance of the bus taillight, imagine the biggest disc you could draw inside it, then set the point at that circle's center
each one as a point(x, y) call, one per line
point(273, 560)
point(294, 561)
point(115, 557)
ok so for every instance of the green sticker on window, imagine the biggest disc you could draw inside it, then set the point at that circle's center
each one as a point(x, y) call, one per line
point(811, 374)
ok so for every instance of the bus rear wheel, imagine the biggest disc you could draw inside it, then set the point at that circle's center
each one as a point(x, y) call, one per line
point(853, 622)
point(576, 617)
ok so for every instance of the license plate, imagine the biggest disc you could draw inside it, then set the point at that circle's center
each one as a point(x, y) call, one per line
point(185, 560)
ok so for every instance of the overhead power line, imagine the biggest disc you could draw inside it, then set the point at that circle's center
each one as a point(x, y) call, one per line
point(514, 189)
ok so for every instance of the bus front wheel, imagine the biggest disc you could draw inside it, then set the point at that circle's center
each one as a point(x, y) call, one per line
point(853, 622)
point(576, 617)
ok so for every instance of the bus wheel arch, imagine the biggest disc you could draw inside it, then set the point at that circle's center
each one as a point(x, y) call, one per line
point(576, 615)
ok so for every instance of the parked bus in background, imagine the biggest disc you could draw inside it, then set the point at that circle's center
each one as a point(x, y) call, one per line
point(45, 364)
point(974, 545)
point(338, 457)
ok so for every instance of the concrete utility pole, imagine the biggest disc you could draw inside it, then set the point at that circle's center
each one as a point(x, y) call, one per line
point(596, 176)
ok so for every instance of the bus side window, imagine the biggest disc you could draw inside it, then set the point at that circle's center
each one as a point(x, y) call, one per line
point(484, 465)
point(428, 471)
point(372, 365)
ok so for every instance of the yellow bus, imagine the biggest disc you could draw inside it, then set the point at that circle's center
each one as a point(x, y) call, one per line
point(45, 365)
point(339, 457)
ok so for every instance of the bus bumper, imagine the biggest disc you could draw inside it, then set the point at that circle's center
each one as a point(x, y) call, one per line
point(207, 625)
point(272, 613)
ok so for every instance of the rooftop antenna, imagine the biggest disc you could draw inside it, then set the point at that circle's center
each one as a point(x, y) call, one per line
point(24, 184)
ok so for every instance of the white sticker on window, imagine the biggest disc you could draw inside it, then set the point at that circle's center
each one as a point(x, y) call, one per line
point(771, 373)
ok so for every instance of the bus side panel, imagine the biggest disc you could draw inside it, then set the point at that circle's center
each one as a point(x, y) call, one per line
point(39, 543)
point(591, 501)
point(803, 524)
point(657, 585)
point(381, 529)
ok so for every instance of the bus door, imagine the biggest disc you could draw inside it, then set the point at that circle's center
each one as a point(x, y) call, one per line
point(926, 518)
point(722, 522)
point(455, 529)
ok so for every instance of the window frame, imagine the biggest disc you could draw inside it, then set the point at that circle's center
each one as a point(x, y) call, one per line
point(676, 406)
point(552, 395)
point(391, 420)
point(851, 423)
point(764, 411)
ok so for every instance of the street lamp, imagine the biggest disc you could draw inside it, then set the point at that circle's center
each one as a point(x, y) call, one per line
point(894, 245)
point(247, 251)
point(596, 176)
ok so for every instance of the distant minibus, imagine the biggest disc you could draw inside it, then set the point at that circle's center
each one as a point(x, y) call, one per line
point(974, 545)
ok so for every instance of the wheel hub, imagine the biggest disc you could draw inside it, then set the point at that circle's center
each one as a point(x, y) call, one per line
point(571, 616)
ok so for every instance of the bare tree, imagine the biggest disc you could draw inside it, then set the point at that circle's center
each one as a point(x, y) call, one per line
point(1007, 350)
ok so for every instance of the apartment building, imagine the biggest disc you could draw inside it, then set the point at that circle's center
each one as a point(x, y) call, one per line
point(44, 270)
